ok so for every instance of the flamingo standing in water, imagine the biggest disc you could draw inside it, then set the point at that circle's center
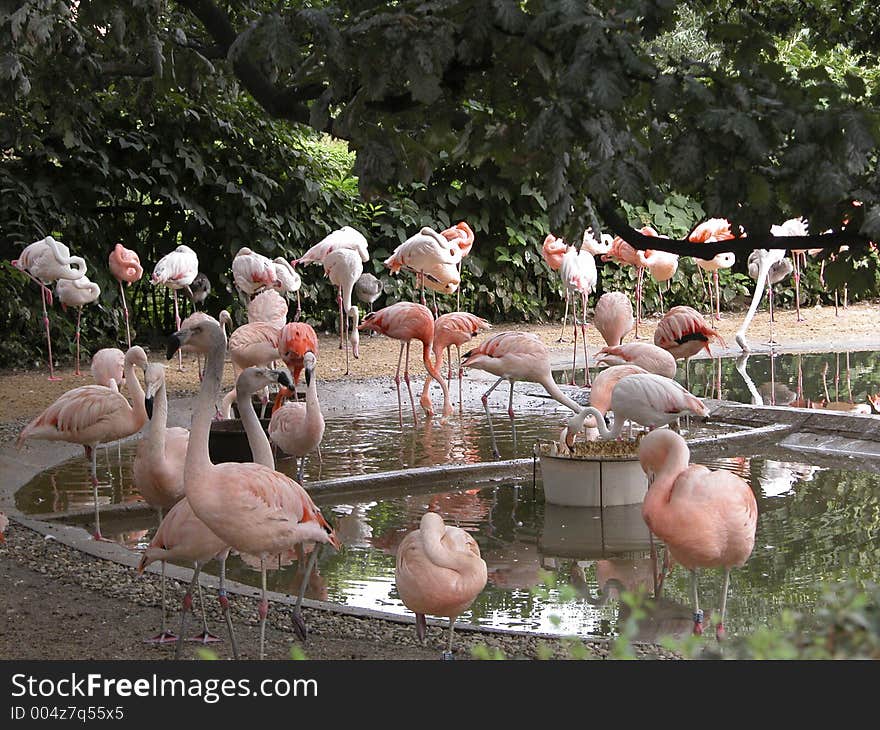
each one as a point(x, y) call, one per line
point(707, 519)
point(77, 293)
point(647, 399)
point(461, 234)
point(407, 321)
point(125, 265)
point(296, 428)
point(454, 328)
point(439, 571)
point(514, 356)
point(251, 507)
point(92, 415)
point(714, 229)
point(768, 266)
point(613, 317)
point(46, 261)
point(344, 267)
point(176, 270)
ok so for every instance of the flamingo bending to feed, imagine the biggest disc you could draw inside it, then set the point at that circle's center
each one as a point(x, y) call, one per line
point(766, 266)
point(709, 231)
point(454, 328)
point(652, 358)
point(613, 317)
point(344, 267)
point(92, 415)
point(46, 261)
point(296, 428)
point(77, 293)
point(294, 341)
point(439, 571)
point(345, 237)
point(252, 272)
point(579, 277)
point(407, 321)
point(251, 507)
point(176, 270)
point(707, 519)
point(684, 332)
point(462, 234)
point(252, 344)
point(432, 258)
point(647, 399)
point(125, 265)
point(108, 367)
point(514, 356)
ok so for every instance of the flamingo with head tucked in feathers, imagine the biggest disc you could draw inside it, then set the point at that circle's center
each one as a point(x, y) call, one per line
point(125, 265)
point(176, 270)
point(579, 277)
point(684, 332)
point(345, 237)
point(432, 258)
point(77, 293)
point(287, 282)
point(613, 317)
point(344, 267)
point(252, 272)
point(462, 234)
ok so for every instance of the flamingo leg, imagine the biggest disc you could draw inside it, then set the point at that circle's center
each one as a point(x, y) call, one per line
point(125, 313)
point(79, 312)
point(164, 636)
point(408, 386)
point(341, 323)
point(698, 613)
point(299, 625)
point(448, 653)
point(639, 271)
point(588, 381)
point(298, 308)
point(707, 290)
point(717, 278)
point(224, 605)
point(796, 260)
point(564, 317)
point(771, 341)
point(264, 609)
point(177, 324)
point(460, 376)
point(575, 345)
point(206, 637)
point(44, 294)
point(720, 633)
point(185, 608)
point(485, 399)
point(92, 454)
point(397, 382)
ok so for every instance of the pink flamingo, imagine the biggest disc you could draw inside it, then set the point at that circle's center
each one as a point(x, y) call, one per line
point(77, 293)
point(298, 428)
point(125, 265)
point(108, 367)
point(707, 519)
point(454, 328)
point(157, 473)
point(650, 357)
point(661, 266)
point(600, 399)
point(46, 261)
point(252, 272)
point(251, 507)
point(176, 270)
point(438, 571)
point(795, 227)
point(684, 332)
point(294, 341)
point(345, 237)
point(92, 415)
point(613, 317)
point(461, 234)
point(252, 344)
point(344, 267)
point(514, 356)
point(407, 321)
point(433, 259)
point(579, 276)
point(268, 306)
point(622, 253)
point(287, 281)
point(647, 399)
point(714, 229)
point(552, 251)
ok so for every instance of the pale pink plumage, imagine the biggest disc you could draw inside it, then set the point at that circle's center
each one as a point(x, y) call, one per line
point(125, 265)
point(107, 367)
point(613, 317)
point(297, 428)
point(552, 251)
point(460, 234)
point(251, 344)
point(652, 358)
point(345, 237)
point(77, 292)
point(49, 260)
point(268, 306)
point(684, 332)
point(707, 519)
point(176, 269)
point(439, 571)
point(182, 538)
point(343, 267)
point(252, 271)
point(714, 229)
point(429, 255)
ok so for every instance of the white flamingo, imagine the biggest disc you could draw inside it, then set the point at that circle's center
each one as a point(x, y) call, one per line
point(176, 270)
point(766, 266)
point(344, 267)
point(77, 293)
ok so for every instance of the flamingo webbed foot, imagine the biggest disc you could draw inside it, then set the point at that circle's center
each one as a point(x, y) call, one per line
point(205, 638)
point(166, 637)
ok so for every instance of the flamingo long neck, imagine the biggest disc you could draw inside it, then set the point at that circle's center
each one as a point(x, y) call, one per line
point(138, 406)
point(261, 449)
point(355, 336)
point(197, 453)
point(655, 507)
point(556, 393)
point(432, 368)
point(763, 271)
point(599, 417)
point(158, 424)
point(442, 556)
point(312, 403)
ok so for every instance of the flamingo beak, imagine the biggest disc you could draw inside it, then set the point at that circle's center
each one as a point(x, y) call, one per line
point(148, 405)
point(175, 342)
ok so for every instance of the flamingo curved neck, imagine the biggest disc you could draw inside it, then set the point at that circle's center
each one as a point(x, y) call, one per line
point(441, 556)
point(197, 453)
point(556, 393)
point(261, 449)
point(138, 405)
point(432, 370)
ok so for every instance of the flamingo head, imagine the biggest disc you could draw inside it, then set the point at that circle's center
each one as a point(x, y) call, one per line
point(154, 380)
point(201, 337)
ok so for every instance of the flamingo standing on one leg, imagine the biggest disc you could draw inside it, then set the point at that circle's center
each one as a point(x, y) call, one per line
point(765, 266)
point(514, 356)
point(661, 266)
point(344, 267)
point(432, 258)
point(647, 399)
point(46, 261)
point(92, 415)
point(613, 317)
point(176, 270)
point(125, 265)
point(795, 227)
point(77, 293)
point(454, 328)
point(684, 332)
point(439, 571)
point(296, 428)
point(711, 230)
point(249, 506)
point(345, 237)
point(552, 251)
point(707, 519)
point(461, 234)
point(407, 321)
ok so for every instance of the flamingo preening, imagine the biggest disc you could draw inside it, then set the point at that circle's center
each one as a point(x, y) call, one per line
point(461, 234)
point(432, 258)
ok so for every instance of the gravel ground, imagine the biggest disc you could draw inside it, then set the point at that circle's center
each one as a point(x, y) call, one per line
point(61, 604)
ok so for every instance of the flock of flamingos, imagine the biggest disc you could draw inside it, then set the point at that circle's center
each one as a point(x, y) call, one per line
point(705, 518)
